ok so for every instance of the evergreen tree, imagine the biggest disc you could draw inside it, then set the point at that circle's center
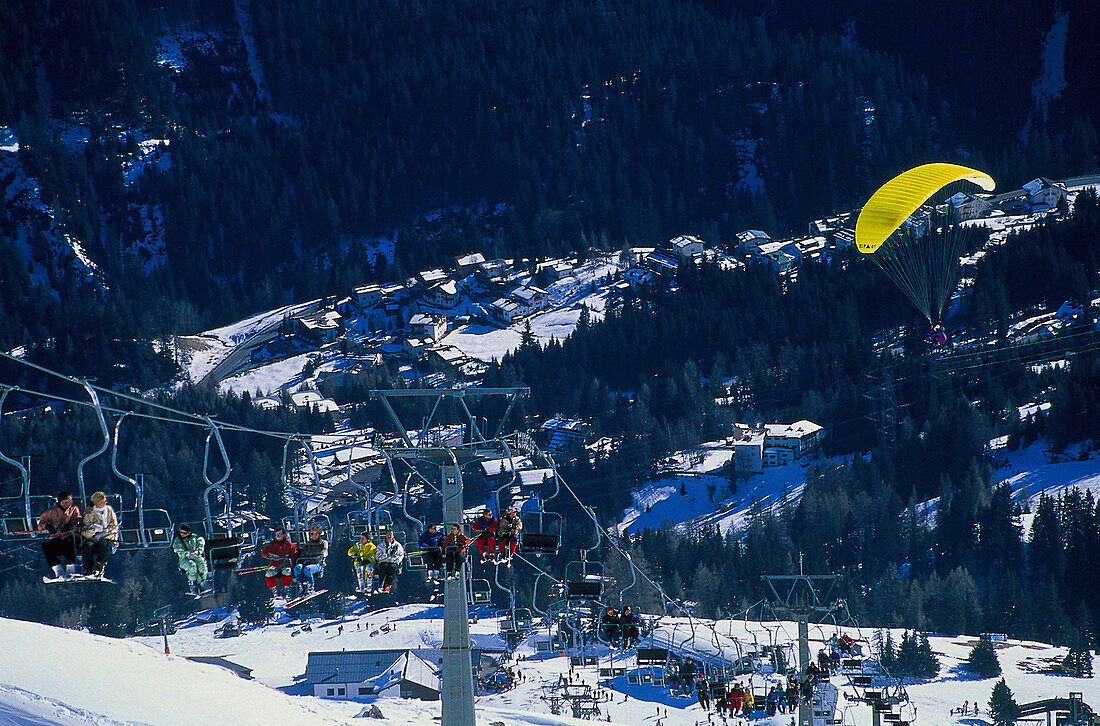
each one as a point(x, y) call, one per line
point(1002, 706)
point(982, 660)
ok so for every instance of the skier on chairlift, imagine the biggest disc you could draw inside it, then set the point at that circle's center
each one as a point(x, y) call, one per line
point(485, 530)
point(280, 554)
point(362, 555)
point(311, 560)
point(190, 550)
point(508, 529)
point(100, 533)
point(62, 521)
point(433, 555)
point(454, 547)
point(391, 554)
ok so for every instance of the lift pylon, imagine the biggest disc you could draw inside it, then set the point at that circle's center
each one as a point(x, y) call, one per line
point(802, 596)
point(458, 678)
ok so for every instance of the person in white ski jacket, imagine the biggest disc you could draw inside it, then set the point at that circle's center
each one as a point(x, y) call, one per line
point(391, 554)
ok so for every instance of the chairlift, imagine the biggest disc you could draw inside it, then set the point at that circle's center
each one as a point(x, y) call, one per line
point(297, 530)
point(541, 533)
point(480, 592)
point(223, 549)
point(154, 526)
point(372, 522)
point(583, 580)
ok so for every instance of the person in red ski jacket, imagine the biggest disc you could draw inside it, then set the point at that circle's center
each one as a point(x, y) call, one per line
point(280, 554)
point(485, 532)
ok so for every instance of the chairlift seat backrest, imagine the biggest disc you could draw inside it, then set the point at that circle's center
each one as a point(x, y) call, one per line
point(223, 551)
point(11, 525)
point(584, 590)
point(480, 592)
point(414, 557)
point(538, 543)
point(652, 656)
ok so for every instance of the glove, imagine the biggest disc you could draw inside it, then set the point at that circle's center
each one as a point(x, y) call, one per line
point(192, 555)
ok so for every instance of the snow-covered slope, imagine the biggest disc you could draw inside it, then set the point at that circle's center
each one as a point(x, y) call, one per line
point(699, 473)
point(55, 676)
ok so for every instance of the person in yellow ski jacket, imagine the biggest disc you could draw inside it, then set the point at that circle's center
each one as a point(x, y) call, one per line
point(362, 555)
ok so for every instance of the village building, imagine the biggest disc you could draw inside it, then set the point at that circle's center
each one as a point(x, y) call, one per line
point(641, 280)
point(782, 255)
point(505, 311)
point(1045, 194)
point(970, 206)
point(827, 227)
point(313, 400)
point(443, 294)
point(493, 272)
point(810, 248)
point(415, 348)
point(554, 270)
point(354, 674)
point(663, 263)
point(427, 278)
point(468, 264)
point(844, 238)
point(784, 443)
point(361, 371)
point(750, 239)
point(530, 298)
point(367, 296)
point(430, 326)
point(561, 434)
point(446, 355)
point(685, 246)
point(320, 328)
point(747, 450)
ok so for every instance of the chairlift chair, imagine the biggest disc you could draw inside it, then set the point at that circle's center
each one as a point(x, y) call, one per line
point(298, 531)
point(541, 533)
point(584, 580)
point(372, 522)
point(480, 592)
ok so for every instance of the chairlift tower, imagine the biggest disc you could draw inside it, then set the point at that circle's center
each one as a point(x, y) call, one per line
point(802, 596)
point(458, 677)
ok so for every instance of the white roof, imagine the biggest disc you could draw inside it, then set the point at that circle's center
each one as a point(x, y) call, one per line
point(495, 466)
point(528, 293)
point(473, 259)
point(771, 246)
point(798, 429)
point(685, 241)
point(313, 399)
point(426, 319)
point(447, 288)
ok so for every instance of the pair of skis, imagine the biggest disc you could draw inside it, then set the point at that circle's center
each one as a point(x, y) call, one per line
point(77, 578)
point(295, 602)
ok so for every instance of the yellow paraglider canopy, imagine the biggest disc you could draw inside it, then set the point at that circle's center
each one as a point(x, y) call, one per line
point(898, 198)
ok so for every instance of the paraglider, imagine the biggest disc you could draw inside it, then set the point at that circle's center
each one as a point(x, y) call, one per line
point(922, 261)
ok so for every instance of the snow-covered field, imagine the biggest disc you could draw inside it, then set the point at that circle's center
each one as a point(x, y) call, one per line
point(56, 676)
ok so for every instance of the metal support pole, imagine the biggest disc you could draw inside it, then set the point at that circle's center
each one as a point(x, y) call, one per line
point(458, 672)
point(805, 707)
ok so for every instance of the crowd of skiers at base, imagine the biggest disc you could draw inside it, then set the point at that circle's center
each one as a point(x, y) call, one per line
point(734, 700)
point(94, 536)
point(621, 629)
point(500, 680)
